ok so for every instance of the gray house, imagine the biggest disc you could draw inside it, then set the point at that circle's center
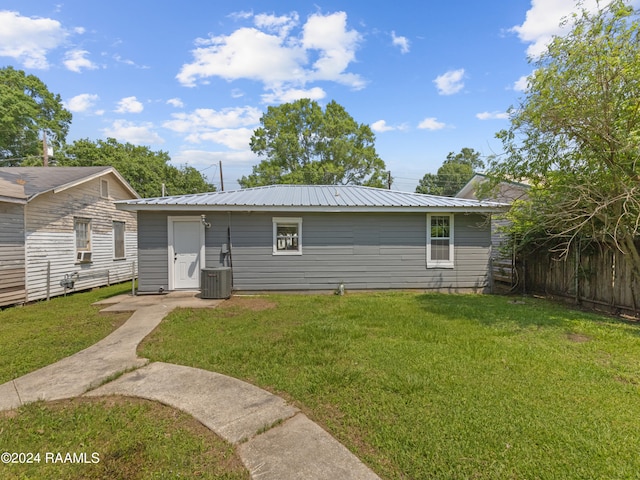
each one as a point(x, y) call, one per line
point(301, 237)
point(60, 223)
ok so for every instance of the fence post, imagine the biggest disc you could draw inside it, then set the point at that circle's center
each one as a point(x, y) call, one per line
point(490, 272)
point(614, 298)
point(576, 274)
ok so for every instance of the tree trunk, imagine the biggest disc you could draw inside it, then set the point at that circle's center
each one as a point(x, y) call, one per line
point(629, 246)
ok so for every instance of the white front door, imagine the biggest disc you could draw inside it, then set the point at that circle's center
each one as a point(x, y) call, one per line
point(186, 252)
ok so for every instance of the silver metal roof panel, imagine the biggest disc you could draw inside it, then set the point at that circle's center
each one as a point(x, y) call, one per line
point(310, 198)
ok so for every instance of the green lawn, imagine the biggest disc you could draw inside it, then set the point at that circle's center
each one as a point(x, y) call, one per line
point(41, 333)
point(134, 439)
point(435, 386)
point(114, 438)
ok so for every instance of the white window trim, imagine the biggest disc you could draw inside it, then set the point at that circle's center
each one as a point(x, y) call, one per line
point(124, 239)
point(83, 255)
point(287, 220)
point(441, 263)
point(172, 222)
point(86, 221)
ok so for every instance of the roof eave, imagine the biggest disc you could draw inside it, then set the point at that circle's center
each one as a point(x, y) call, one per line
point(319, 209)
point(99, 174)
point(20, 201)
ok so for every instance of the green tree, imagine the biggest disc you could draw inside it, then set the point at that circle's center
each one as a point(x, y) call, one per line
point(305, 145)
point(454, 173)
point(143, 168)
point(27, 109)
point(576, 136)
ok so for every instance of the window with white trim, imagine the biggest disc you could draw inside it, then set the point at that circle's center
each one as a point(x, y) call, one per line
point(440, 241)
point(287, 236)
point(82, 229)
point(118, 240)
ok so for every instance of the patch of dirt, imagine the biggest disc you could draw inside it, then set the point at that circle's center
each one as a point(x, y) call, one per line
point(627, 380)
point(578, 338)
point(255, 304)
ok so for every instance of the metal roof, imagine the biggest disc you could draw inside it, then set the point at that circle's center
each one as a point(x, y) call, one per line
point(310, 198)
point(25, 183)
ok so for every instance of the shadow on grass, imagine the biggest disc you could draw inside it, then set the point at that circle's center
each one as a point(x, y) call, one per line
point(523, 312)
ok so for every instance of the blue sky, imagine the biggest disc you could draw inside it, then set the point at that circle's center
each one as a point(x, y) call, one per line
point(193, 78)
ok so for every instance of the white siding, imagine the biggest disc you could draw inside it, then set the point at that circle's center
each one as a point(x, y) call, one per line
point(50, 239)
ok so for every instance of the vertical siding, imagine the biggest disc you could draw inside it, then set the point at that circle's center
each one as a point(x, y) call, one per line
point(50, 239)
point(12, 261)
point(365, 251)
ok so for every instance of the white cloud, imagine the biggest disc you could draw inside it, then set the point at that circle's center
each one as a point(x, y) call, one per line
point(81, 103)
point(402, 42)
point(323, 50)
point(521, 84)
point(285, 96)
point(194, 156)
point(450, 82)
point(381, 126)
point(281, 25)
point(543, 20)
point(137, 134)
point(492, 116)
point(28, 39)
point(431, 123)
point(246, 53)
point(207, 119)
point(75, 61)
point(242, 15)
point(129, 105)
point(175, 102)
point(336, 48)
point(118, 58)
point(233, 138)
point(231, 127)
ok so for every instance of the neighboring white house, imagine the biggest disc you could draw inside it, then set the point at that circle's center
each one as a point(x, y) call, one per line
point(504, 192)
point(60, 231)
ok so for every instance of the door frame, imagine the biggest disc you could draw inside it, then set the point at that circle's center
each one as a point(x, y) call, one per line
point(171, 223)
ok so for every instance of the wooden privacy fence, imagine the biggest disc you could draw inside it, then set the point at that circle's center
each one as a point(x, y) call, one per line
point(595, 275)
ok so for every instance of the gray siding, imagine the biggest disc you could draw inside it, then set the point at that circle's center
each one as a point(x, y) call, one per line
point(12, 251)
point(365, 251)
point(153, 252)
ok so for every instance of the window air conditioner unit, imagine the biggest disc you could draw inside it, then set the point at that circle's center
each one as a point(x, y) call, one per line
point(83, 257)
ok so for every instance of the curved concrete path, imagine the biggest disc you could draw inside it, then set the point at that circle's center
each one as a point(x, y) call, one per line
point(274, 440)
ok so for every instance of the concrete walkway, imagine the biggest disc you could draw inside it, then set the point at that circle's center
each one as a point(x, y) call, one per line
point(274, 440)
